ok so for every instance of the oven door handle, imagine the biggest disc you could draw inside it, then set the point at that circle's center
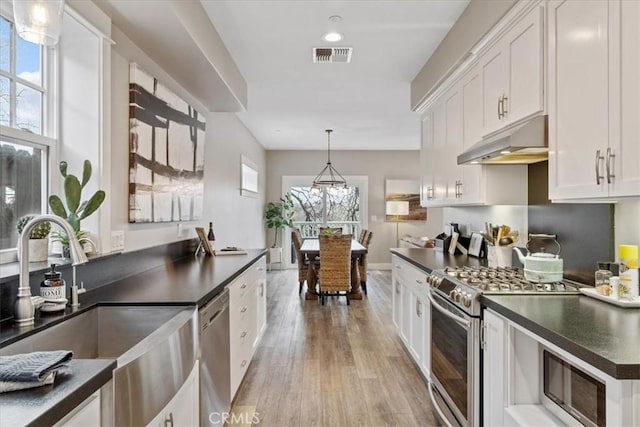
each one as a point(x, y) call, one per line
point(463, 322)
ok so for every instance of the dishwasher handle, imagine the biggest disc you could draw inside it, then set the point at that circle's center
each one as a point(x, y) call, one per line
point(210, 312)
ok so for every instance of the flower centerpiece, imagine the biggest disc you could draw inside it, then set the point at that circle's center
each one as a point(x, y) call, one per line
point(38, 239)
point(75, 211)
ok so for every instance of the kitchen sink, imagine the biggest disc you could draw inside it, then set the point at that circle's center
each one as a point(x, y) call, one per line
point(104, 332)
point(155, 348)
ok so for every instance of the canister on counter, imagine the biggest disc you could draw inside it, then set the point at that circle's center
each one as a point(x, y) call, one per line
point(53, 285)
point(628, 255)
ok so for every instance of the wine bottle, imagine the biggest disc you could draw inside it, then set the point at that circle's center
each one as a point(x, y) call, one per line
point(210, 236)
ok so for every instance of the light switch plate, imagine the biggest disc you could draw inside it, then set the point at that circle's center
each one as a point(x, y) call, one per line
point(117, 240)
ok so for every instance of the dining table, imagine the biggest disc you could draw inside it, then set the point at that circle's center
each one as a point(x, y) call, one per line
point(311, 250)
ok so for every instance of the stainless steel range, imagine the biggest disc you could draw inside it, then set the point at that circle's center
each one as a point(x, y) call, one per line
point(455, 332)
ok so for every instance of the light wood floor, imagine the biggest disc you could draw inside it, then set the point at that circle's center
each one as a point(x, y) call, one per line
point(335, 365)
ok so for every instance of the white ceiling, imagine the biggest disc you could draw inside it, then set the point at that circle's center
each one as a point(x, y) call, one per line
point(291, 100)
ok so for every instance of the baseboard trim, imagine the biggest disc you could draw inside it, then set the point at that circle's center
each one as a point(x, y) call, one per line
point(379, 266)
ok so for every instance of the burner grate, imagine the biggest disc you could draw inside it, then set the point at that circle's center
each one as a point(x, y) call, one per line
point(508, 280)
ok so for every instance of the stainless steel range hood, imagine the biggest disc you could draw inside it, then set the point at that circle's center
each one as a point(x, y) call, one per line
point(522, 144)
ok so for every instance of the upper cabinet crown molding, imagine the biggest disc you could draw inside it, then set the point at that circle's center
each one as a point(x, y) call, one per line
point(511, 18)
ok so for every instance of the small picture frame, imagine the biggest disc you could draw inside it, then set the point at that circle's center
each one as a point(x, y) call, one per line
point(454, 243)
point(475, 244)
point(204, 242)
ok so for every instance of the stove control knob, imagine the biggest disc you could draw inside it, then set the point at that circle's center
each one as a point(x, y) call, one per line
point(455, 295)
point(437, 281)
point(466, 299)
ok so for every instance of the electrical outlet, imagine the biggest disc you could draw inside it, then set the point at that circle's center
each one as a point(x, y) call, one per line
point(117, 240)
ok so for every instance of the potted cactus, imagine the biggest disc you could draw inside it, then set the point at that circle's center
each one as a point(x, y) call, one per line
point(38, 239)
point(75, 211)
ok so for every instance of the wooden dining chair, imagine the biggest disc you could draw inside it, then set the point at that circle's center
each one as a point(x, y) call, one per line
point(361, 236)
point(362, 262)
point(335, 266)
point(303, 263)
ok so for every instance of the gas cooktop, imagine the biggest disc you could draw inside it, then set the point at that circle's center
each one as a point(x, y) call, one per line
point(463, 286)
point(507, 280)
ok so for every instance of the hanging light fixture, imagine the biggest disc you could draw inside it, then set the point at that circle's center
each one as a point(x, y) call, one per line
point(329, 176)
point(39, 21)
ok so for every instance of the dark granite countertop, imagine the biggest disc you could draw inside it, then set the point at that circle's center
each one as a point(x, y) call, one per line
point(44, 406)
point(429, 259)
point(187, 281)
point(601, 334)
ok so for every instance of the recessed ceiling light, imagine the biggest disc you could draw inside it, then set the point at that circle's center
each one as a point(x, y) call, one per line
point(332, 37)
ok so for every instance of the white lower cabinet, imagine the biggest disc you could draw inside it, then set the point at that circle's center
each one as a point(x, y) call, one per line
point(493, 365)
point(247, 318)
point(183, 410)
point(411, 316)
point(85, 414)
point(513, 381)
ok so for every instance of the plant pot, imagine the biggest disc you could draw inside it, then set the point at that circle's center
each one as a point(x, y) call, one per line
point(38, 250)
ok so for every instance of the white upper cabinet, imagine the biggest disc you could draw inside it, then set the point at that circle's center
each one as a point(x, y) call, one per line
point(512, 74)
point(593, 99)
point(448, 128)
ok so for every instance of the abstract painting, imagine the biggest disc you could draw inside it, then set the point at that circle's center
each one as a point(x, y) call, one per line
point(405, 190)
point(166, 153)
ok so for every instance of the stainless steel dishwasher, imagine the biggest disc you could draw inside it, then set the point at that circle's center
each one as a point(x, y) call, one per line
point(215, 366)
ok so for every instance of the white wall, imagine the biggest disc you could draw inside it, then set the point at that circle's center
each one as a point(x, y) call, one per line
point(377, 165)
point(237, 220)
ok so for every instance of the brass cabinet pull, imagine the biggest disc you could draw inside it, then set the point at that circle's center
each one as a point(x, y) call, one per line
point(598, 176)
point(610, 156)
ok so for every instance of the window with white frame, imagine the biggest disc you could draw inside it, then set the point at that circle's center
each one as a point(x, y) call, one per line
point(26, 128)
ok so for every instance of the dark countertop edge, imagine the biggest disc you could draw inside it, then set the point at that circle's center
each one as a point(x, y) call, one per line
point(617, 371)
point(59, 399)
point(410, 260)
point(216, 290)
point(76, 397)
point(85, 307)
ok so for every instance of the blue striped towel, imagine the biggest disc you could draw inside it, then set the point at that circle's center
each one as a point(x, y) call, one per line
point(32, 366)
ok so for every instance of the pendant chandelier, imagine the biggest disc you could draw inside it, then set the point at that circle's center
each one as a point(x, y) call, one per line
point(39, 21)
point(329, 176)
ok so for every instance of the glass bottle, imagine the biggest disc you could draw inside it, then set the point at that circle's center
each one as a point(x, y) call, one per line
point(603, 276)
point(210, 236)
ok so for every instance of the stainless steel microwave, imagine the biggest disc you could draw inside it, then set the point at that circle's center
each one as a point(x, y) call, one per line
point(573, 390)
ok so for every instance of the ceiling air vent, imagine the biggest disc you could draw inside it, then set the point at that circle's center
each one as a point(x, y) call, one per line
point(332, 54)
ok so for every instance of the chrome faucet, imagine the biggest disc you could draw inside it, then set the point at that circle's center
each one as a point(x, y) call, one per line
point(24, 308)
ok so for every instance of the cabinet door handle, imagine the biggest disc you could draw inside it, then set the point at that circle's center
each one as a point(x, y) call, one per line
point(419, 282)
point(610, 156)
point(397, 288)
point(418, 312)
point(262, 289)
point(598, 176)
point(505, 111)
point(243, 334)
point(499, 105)
point(244, 285)
point(243, 309)
point(244, 363)
point(168, 422)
